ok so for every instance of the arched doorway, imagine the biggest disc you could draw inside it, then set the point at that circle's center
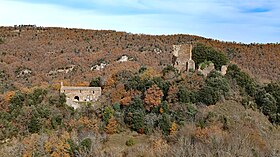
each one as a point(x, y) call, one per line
point(77, 98)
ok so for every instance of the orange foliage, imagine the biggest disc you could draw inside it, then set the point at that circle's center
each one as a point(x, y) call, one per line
point(172, 94)
point(30, 143)
point(85, 122)
point(57, 146)
point(111, 127)
point(161, 110)
point(110, 82)
point(82, 84)
point(57, 85)
point(126, 100)
point(173, 128)
point(153, 97)
point(9, 95)
point(204, 134)
point(118, 93)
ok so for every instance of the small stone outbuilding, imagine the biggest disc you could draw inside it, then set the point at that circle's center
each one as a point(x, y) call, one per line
point(81, 94)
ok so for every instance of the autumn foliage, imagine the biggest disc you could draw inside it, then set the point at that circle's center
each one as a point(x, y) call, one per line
point(153, 97)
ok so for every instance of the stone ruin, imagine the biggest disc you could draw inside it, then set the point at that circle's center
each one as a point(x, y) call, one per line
point(207, 69)
point(182, 58)
point(74, 95)
point(182, 61)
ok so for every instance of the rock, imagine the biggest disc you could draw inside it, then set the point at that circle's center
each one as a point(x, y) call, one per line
point(157, 51)
point(98, 67)
point(224, 70)
point(24, 72)
point(123, 59)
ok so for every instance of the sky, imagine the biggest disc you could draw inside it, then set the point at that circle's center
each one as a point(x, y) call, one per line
point(246, 21)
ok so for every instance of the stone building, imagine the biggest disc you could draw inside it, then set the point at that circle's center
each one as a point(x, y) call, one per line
point(182, 57)
point(80, 94)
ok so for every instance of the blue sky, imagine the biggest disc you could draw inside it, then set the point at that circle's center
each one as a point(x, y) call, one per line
point(244, 21)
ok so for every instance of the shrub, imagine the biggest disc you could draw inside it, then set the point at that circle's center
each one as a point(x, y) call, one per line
point(204, 64)
point(274, 90)
point(117, 107)
point(134, 115)
point(215, 87)
point(36, 97)
point(142, 69)
point(152, 97)
point(185, 96)
point(111, 127)
point(242, 79)
point(169, 68)
point(107, 114)
point(203, 53)
point(267, 103)
point(62, 99)
point(165, 124)
point(208, 95)
point(220, 84)
point(34, 125)
point(16, 101)
point(163, 85)
point(86, 144)
point(130, 142)
point(95, 82)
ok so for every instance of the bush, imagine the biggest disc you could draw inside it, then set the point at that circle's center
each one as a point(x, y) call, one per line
point(134, 115)
point(268, 104)
point(142, 69)
point(163, 85)
point(183, 95)
point(242, 79)
point(165, 124)
point(215, 87)
point(203, 53)
point(34, 125)
point(117, 107)
point(17, 101)
point(107, 114)
point(36, 97)
point(130, 142)
point(95, 82)
point(169, 68)
point(274, 90)
point(86, 144)
point(208, 95)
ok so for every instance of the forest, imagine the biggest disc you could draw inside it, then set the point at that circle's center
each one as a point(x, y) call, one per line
point(147, 107)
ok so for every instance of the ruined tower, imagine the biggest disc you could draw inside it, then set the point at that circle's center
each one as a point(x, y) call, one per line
point(191, 63)
point(182, 57)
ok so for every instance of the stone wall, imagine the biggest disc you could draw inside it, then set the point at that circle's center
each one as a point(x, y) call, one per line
point(205, 71)
point(81, 94)
point(182, 57)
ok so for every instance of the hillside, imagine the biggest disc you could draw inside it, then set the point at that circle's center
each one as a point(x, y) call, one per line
point(41, 52)
point(146, 106)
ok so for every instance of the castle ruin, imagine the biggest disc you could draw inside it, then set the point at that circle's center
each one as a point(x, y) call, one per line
point(182, 61)
point(182, 58)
